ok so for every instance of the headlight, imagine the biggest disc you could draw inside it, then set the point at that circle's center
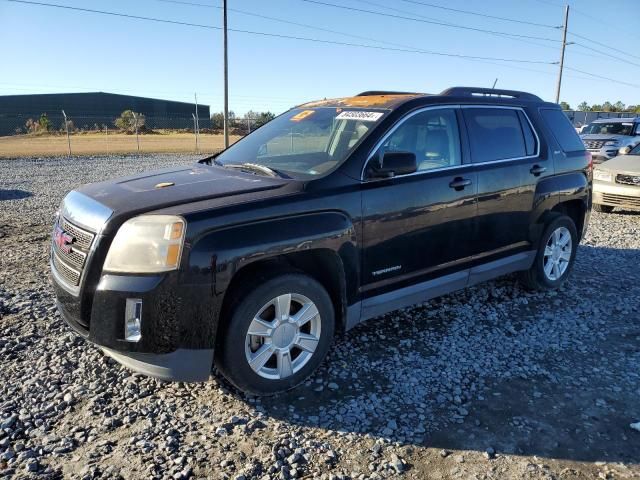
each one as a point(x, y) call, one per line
point(147, 244)
point(612, 143)
point(602, 175)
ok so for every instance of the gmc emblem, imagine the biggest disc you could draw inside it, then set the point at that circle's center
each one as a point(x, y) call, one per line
point(62, 239)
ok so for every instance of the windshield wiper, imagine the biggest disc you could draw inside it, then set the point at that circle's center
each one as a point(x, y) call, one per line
point(254, 168)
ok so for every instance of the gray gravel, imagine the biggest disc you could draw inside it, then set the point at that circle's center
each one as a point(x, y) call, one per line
point(491, 382)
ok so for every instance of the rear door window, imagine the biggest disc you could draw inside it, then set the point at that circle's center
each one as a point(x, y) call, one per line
point(562, 130)
point(495, 134)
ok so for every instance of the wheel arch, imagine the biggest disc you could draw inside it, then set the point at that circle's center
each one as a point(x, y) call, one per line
point(322, 264)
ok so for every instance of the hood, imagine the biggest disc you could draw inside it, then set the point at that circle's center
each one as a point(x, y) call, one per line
point(600, 136)
point(623, 163)
point(173, 186)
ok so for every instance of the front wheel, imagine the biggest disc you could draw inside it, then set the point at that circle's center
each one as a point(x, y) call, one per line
point(278, 334)
point(602, 208)
point(555, 257)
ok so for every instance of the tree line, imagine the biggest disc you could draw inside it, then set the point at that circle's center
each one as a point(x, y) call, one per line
point(604, 107)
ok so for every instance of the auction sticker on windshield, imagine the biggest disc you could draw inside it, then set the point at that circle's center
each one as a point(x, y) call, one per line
point(359, 115)
point(302, 115)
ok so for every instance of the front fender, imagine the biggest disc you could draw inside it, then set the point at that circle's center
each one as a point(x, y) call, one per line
point(223, 252)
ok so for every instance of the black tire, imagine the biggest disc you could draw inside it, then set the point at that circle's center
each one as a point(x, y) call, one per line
point(231, 359)
point(602, 208)
point(535, 278)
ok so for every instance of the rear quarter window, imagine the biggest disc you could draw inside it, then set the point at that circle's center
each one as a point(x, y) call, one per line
point(562, 130)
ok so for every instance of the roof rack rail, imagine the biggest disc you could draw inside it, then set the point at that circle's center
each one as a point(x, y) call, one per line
point(489, 92)
point(370, 93)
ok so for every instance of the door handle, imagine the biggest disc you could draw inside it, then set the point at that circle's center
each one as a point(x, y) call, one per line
point(459, 183)
point(537, 170)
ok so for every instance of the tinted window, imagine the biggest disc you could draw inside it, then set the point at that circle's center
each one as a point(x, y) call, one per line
point(432, 135)
point(529, 137)
point(562, 130)
point(494, 134)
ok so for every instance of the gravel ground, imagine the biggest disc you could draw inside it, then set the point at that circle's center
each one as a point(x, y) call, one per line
point(491, 382)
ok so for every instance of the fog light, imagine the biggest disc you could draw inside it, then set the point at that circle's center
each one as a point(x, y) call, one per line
point(132, 320)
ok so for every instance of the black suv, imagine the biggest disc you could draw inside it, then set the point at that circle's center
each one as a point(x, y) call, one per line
point(333, 213)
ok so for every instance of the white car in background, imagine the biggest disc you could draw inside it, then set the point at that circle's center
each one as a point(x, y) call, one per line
point(616, 183)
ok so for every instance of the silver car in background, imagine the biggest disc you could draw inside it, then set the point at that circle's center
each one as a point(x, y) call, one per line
point(616, 183)
point(605, 136)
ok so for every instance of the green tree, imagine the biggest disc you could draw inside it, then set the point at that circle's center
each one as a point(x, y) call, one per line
point(217, 121)
point(263, 117)
point(607, 107)
point(596, 108)
point(619, 106)
point(127, 121)
point(44, 124)
point(565, 106)
point(583, 107)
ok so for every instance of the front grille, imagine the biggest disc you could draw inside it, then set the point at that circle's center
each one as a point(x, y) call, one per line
point(594, 144)
point(69, 259)
point(621, 200)
point(83, 239)
point(69, 274)
point(628, 179)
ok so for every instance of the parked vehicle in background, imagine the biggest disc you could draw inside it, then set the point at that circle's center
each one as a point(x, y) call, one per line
point(616, 183)
point(335, 212)
point(605, 136)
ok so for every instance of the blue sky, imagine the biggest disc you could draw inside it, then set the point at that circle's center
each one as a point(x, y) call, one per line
point(48, 50)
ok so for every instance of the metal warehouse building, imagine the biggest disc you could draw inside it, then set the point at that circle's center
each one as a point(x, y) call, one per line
point(96, 108)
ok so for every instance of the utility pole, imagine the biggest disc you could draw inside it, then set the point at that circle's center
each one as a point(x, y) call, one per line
point(226, 76)
point(564, 45)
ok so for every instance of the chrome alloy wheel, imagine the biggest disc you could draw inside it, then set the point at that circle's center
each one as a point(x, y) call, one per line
point(283, 336)
point(557, 253)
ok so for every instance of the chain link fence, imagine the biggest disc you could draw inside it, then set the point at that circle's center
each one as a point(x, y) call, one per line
point(64, 134)
point(58, 134)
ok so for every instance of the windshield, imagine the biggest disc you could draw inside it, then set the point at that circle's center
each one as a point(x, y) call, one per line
point(612, 128)
point(304, 142)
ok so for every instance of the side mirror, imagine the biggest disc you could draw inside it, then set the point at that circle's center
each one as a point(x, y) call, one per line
point(624, 150)
point(396, 163)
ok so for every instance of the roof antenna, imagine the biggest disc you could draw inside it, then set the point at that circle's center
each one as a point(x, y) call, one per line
point(494, 84)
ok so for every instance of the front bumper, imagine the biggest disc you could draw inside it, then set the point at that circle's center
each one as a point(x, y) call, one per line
point(616, 195)
point(182, 365)
point(178, 328)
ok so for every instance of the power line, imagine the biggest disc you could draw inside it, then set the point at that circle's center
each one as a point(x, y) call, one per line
point(634, 85)
point(432, 22)
point(337, 32)
point(610, 56)
point(468, 12)
point(604, 45)
point(277, 35)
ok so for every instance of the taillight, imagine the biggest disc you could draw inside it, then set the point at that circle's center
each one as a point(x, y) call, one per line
point(589, 161)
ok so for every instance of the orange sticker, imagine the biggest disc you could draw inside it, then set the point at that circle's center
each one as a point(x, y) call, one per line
point(302, 115)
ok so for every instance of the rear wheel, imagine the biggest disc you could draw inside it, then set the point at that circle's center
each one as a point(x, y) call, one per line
point(555, 257)
point(602, 208)
point(279, 333)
